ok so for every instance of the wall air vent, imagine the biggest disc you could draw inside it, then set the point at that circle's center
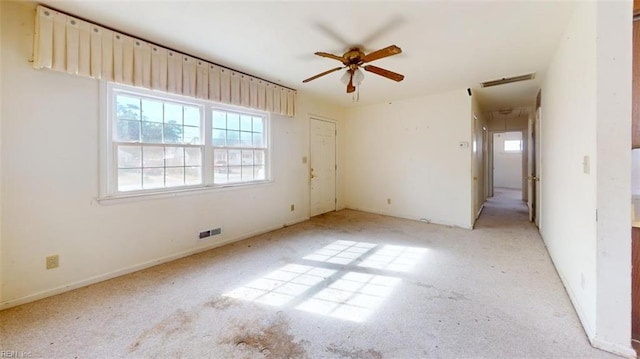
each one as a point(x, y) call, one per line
point(508, 80)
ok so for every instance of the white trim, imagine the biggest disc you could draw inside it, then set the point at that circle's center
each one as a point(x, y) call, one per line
point(321, 118)
point(589, 331)
point(108, 189)
point(626, 352)
point(178, 192)
point(104, 136)
point(134, 268)
point(479, 211)
point(408, 217)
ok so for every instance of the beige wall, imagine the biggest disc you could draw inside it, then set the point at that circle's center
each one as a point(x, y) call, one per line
point(585, 211)
point(409, 152)
point(49, 164)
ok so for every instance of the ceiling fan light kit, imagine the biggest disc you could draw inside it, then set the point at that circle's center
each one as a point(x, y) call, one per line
point(353, 60)
point(358, 76)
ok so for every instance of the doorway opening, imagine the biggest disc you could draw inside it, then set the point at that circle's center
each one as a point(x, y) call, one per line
point(508, 148)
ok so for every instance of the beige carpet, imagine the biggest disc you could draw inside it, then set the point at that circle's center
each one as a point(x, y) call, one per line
point(342, 285)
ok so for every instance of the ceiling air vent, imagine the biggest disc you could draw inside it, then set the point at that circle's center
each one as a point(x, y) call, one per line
point(505, 111)
point(508, 80)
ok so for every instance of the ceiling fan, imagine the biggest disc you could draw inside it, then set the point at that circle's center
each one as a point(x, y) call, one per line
point(355, 58)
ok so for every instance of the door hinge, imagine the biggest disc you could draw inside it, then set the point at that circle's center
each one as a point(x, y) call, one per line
point(336, 167)
point(596, 215)
point(336, 132)
point(335, 200)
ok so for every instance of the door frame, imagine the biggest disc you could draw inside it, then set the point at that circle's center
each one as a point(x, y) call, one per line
point(312, 118)
point(538, 154)
point(491, 165)
point(531, 168)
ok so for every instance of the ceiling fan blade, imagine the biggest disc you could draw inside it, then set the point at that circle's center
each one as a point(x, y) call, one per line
point(387, 51)
point(332, 56)
point(322, 74)
point(350, 87)
point(385, 73)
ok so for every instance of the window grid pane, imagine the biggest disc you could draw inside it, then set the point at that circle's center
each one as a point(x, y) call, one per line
point(145, 167)
point(144, 120)
point(239, 147)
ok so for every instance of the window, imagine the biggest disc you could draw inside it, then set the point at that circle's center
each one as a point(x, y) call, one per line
point(239, 147)
point(158, 143)
point(512, 146)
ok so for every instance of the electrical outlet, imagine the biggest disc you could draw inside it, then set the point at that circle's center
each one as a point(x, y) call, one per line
point(53, 261)
point(293, 207)
point(388, 200)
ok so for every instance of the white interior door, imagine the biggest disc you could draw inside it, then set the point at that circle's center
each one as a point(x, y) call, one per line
point(531, 196)
point(322, 167)
point(538, 169)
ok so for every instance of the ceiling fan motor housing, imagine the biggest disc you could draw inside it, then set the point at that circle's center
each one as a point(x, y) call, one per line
point(354, 57)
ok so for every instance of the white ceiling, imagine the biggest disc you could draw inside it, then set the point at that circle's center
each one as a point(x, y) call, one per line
point(446, 45)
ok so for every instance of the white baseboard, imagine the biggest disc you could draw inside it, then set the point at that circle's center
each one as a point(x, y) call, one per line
point(117, 273)
point(623, 351)
point(589, 331)
point(403, 216)
point(479, 211)
point(617, 349)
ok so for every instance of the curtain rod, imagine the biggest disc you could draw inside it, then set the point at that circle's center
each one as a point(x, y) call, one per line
point(156, 44)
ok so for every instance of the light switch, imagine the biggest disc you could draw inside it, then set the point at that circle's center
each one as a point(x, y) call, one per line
point(585, 164)
point(304, 159)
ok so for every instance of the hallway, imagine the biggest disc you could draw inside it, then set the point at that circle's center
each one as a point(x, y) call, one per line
point(346, 284)
point(505, 209)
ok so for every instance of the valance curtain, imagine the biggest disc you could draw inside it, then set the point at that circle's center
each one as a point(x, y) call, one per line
point(64, 43)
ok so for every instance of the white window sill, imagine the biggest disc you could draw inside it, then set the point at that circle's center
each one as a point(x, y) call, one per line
point(179, 192)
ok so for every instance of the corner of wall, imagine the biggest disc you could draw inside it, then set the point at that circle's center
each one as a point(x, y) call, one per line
point(437, 131)
point(587, 221)
point(613, 174)
point(1, 107)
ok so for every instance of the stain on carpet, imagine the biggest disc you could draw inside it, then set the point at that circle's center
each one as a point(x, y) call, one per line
point(221, 303)
point(354, 353)
point(441, 294)
point(424, 285)
point(179, 321)
point(457, 296)
point(269, 338)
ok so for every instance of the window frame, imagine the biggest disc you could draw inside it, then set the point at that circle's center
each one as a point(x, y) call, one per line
point(108, 145)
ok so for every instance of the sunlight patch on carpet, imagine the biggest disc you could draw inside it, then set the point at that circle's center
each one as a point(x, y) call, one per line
point(336, 280)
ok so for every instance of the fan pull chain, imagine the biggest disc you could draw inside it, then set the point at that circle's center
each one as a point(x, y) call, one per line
point(356, 95)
